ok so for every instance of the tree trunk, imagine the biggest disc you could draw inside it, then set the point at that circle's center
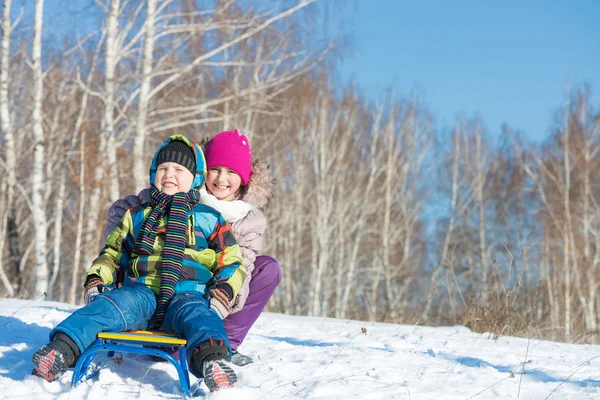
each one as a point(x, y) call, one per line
point(37, 174)
point(107, 146)
point(75, 284)
point(112, 57)
point(391, 170)
point(140, 173)
point(443, 260)
point(9, 147)
point(481, 177)
point(568, 246)
point(361, 221)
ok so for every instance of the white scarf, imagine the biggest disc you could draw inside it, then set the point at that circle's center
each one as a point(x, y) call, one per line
point(232, 210)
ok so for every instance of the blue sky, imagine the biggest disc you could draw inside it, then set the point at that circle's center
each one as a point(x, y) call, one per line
point(504, 61)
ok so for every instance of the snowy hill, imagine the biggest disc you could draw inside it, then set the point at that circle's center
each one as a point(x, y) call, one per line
point(321, 358)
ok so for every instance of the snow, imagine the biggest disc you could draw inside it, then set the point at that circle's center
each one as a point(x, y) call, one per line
point(320, 358)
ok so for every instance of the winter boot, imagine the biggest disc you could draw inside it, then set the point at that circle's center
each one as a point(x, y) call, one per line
point(211, 361)
point(239, 359)
point(53, 359)
point(218, 375)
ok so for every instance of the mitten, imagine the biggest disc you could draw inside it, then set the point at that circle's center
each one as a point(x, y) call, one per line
point(220, 298)
point(93, 287)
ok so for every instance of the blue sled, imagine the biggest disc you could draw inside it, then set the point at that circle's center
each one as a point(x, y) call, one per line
point(134, 342)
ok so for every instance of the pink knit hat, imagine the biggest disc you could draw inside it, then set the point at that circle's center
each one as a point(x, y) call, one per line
point(230, 149)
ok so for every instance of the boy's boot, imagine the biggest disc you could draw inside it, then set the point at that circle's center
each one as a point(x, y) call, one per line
point(240, 359)
point(211, 359)
point(53, 359)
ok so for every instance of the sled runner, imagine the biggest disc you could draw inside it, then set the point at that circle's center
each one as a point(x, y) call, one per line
point(137, 342)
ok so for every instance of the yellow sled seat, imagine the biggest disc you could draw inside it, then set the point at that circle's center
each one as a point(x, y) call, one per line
point(143, 336)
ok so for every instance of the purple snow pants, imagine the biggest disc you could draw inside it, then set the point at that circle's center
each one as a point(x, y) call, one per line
point(265, 278)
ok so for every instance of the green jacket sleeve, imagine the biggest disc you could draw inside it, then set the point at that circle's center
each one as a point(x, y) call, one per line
point(116, 252)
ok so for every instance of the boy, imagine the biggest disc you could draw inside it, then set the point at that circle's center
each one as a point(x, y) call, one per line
point(173, 249)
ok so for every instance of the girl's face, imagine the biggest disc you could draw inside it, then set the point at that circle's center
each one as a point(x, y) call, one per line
point(172, 178)
point(223, 183)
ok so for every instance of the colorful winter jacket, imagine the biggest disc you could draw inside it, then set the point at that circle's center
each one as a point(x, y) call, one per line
point(211, 255)
point(248, 223)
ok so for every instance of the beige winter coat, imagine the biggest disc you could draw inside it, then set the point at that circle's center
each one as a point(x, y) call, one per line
point(248, 223)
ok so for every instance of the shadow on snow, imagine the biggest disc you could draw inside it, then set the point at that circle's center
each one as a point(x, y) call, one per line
point(536, 374)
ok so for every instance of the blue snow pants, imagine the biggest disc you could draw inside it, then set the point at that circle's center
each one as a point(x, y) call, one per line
point(131, 307)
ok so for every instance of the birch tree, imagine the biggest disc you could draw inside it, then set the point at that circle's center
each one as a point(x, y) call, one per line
point(108, 132)
point(139, 162)
point(320, 134)
point(38, 178)
point(107, 146)
point(9, 143)
point(459, 263)
point(444, 253)
point(591, 215)
point(403, 205)
point(481, 178)
point(561, 175)
point(251, 74)
point(331, 143)
point(346, 288)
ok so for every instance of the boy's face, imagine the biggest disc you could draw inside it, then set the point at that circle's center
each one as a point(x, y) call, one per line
point(173, 178)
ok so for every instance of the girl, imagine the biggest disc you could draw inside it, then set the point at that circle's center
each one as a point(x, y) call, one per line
point(238, 188)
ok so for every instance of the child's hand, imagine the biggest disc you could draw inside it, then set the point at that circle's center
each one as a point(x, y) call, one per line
point(219, 301)
point(93, 287)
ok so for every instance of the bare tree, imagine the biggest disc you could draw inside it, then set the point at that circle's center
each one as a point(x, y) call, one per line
point(38, 178)
point(463, 248)
point(251, 75)
point(453, 213)
point(139, 165)
point(107, 144)
point(320, 135)
point(346, 288)
point(481, 167)
point(9, 144)
point(562, 174)
point(108, 132)
point(403, 203)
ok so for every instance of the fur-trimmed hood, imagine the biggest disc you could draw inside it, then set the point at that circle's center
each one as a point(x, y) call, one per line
point(260, 186)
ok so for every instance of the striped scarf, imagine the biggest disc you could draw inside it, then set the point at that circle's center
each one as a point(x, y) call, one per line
point(176, 206)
